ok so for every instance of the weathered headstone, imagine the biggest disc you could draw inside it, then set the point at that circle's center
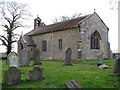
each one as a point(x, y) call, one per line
point(13, 60)
point(68, 54)
point(79, 54)
point(25, 57)
point(116, 70)
point(100, 59)
point(12, 76)
point(37, 60)
point(36, 74)
point(72, 84)
point(111, 54)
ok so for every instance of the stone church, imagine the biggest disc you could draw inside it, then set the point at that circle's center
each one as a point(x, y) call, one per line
point(87, 36)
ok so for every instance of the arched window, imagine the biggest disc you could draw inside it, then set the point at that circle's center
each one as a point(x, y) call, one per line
point(95, 40)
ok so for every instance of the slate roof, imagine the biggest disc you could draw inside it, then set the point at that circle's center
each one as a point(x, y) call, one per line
point(28, 40)
point(73, 23)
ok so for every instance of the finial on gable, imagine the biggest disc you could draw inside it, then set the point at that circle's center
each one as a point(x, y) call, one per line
point(22, 34)
point(37, 15)
point(94, 10)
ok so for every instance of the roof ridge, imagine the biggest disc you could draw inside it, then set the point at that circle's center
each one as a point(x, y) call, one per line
point(68, 20)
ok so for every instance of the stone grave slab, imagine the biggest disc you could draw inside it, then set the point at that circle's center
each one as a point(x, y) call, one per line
point(25, 57)
point(116, 70)
point(37, 60)
point(36, 74)
point(68, 54)
point(100, 59)
point(72, 84)
point(13, 60)
point(12, 76)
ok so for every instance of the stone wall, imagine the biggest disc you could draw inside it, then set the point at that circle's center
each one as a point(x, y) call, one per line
point(88, 27)
point(75, 38)
point(69, 38)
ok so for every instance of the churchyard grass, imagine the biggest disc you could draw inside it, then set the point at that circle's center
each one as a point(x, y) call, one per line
point(56, 75)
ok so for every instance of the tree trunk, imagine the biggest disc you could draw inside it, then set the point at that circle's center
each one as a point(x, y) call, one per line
point(9, 42)
point(8, 49)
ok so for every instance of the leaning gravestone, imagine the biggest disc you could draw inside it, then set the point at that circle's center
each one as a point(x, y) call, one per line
point(13, 60)
point(72, 84)
point(68, 54)
point(25, 57)
point(116, 70)
point(13, 75)
point(37, 60)
point(100, 59)
point(36, 74)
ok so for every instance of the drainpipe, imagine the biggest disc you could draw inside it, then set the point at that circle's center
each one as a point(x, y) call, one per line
point(52, 45)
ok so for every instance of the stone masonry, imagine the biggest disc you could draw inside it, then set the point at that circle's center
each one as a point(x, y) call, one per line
point(74, 33)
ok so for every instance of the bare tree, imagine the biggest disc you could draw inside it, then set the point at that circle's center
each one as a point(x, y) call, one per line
point(12, 15)
point(64, 18)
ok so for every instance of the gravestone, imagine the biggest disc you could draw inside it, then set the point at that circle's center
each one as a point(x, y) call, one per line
point(13, 60)
point(72, 84)
point(12, 76)
point(100, 59)
point(111, 54)
point(25, 57)
point(68, 54)
point(36, 74)
point(79, 54)
point(116, 70)
point(37, 60)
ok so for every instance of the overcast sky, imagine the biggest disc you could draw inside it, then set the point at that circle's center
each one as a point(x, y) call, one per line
point(48, 9)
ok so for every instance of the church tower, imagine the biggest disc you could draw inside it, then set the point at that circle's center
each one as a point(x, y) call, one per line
point(38, 23)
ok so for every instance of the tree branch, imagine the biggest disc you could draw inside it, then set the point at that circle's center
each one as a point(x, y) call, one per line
point(1, 36)
point(12, 15)
point(14, 41)
point(4, 43)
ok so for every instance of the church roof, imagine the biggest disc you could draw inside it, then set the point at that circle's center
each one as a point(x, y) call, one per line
point(28, 40)
point(73, 23)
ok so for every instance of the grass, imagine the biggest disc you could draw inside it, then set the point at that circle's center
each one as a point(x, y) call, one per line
point(56, 75)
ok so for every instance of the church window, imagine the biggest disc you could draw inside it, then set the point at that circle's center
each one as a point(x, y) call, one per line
point(95, 40)
point(60, 44)
point(44, 45)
